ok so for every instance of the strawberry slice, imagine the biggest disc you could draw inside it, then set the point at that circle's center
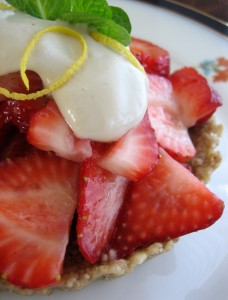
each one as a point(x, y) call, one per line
point(18, 113)
point(13, 83)
point(154, 59)
point(165, 118)
point(6, 131)
point(17, 146)
point(197, 101)
point(100, 198)
point(49, 131)
point(133, 155)
point(167, 203)
point(37, 204)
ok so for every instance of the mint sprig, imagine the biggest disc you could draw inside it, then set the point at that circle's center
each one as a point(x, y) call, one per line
point(43, 9)
point(97, 14)
point(120, 17)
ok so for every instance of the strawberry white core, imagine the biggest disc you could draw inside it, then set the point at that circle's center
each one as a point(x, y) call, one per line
point(103, 100)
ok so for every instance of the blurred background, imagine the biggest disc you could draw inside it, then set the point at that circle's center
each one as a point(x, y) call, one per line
point(213, 13)
point(217, 8)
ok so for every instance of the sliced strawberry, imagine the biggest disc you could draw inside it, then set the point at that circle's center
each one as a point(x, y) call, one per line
point(197, 101)
point(154, 59)
point(166, 119)
point(17, 146)
point(6, 131)
point(167, 203)
point(18, 113)
point(133, 155)
point(101, 196)
point(13, 83)
point(49, 131)
point(37, 204)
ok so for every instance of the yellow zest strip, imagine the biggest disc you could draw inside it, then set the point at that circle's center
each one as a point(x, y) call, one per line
point(58, 277)
point(118, 47)
point(62, 80)
point(4, 6)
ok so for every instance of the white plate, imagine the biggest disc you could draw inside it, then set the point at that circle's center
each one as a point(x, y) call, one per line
point(197, 268)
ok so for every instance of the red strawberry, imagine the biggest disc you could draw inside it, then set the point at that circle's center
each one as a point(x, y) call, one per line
point(167, 203)
point(49, 131)
point(101, 196)
point(13, 82)
point(18, 113)
point(5, 136)
point(197, 101)
point(17, 146)
point(133, 155)
point(37, 204)
point(154, 59)
point(166, 119)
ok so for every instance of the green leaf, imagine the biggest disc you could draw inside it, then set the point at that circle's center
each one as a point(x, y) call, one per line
point(109, 20)
point(104, 26)
point(81, 17)
point(113, 30)
point(43, 9)
point(120, 17)
point(92, 7)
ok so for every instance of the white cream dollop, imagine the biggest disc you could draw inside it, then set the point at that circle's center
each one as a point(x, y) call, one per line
point(103, 100)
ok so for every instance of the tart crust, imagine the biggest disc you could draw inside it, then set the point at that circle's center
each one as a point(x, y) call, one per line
point(77, 273)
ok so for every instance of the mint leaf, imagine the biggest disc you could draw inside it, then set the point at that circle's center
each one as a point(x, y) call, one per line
point(121, 18)
point(112, 30)
point(81, 17)
point(43, 9)
point(104, 26)
point(97, 14)
point(108, 20)
point(92, 7)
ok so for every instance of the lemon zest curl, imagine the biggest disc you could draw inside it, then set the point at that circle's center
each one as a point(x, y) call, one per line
point(107, 41)
point(62, 80)
point(4, 6)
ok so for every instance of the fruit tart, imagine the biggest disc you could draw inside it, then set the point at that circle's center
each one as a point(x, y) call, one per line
point(100, 146)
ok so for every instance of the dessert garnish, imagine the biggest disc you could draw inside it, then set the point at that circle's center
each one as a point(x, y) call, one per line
point(108, 20)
